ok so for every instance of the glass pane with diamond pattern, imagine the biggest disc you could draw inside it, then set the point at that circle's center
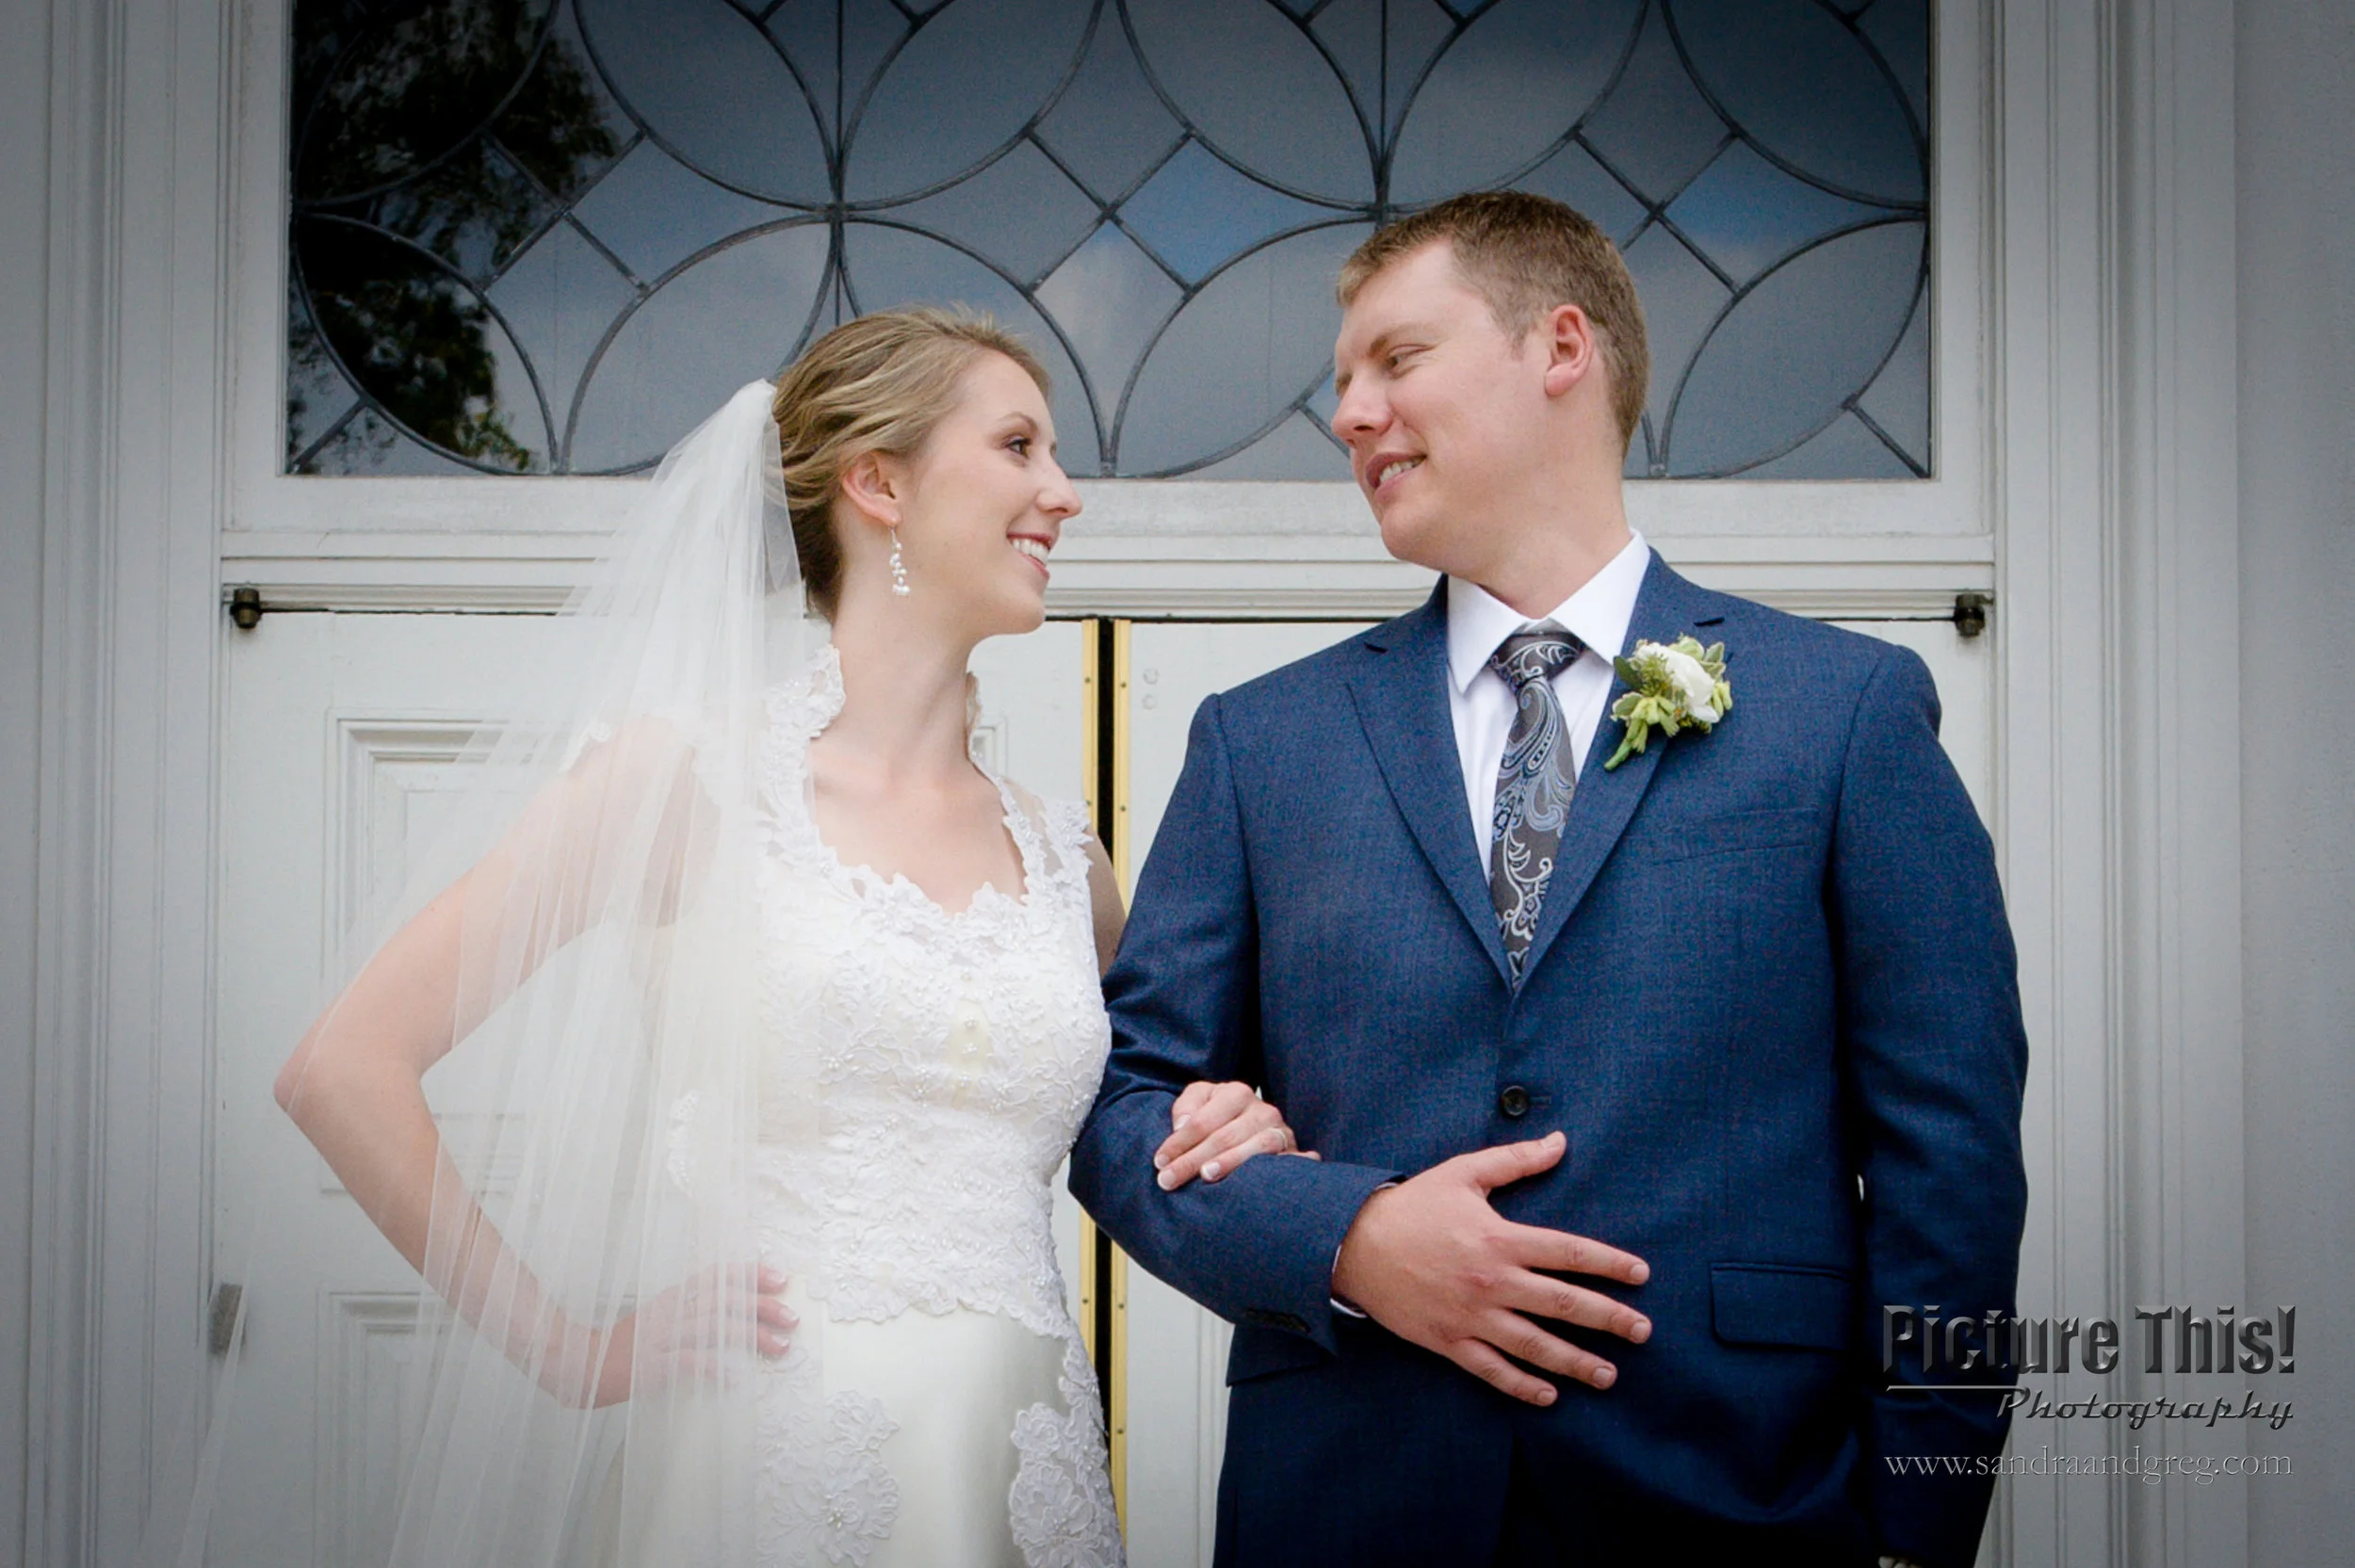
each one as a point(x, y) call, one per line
point(547, 236)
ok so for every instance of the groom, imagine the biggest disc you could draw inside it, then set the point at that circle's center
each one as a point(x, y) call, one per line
point(1640, 1088)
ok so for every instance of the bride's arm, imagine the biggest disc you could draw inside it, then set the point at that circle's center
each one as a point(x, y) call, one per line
point(1111, 911)
point(354, 1087)
point(1214, 1127)
point(355, 1083)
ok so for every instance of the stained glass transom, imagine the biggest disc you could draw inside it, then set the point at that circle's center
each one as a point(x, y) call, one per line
point(548, 236)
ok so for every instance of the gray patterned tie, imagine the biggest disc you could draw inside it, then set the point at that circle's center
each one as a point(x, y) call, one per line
point(1534, 784)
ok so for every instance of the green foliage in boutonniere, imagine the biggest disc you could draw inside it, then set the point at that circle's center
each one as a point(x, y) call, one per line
point(1673, 686)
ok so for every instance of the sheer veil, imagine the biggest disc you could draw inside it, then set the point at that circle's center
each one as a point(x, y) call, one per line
point(605, 1161)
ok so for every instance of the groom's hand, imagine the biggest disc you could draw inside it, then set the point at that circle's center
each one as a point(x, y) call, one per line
point(1432, 1262)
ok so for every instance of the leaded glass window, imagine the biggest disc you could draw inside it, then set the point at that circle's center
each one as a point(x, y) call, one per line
point(547, 235)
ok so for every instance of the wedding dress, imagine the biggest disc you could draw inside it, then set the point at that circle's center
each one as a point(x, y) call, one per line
point(956, 1419)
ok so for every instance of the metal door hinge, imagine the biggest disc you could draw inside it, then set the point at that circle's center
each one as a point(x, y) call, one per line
point(245, 607)
point(228, 1314)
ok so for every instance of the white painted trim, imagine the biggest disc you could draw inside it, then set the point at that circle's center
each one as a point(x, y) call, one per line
point(2178, 771)
point(130, 521)
point(2117, 424)
point(1208, 576)
point(1265, 550)
point(2053, 821)
point(353, 1329)
point(68, 1009)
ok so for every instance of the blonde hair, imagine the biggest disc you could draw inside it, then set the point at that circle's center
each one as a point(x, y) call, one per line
point(879, 383)
point(1525, 255)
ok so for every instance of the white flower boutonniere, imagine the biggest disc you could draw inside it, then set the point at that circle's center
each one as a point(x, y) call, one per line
point(1674, 685)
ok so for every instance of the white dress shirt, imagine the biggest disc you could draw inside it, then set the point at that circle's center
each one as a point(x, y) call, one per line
point(1480, 701)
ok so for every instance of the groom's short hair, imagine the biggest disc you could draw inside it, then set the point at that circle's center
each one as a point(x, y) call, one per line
point(1526, 254)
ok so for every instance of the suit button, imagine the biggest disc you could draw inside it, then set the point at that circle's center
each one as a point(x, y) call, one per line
point(1514, 1102)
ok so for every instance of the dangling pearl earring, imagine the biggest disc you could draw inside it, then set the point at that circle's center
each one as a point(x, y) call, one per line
point(898, 567)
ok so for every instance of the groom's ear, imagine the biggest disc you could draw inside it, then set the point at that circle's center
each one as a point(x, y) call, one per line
point(1572, 346)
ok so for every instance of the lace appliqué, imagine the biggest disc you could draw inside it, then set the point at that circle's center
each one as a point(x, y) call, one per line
point(953, 1055)
point(1061, 1503)
point(862, 1501)
point(829, 1496)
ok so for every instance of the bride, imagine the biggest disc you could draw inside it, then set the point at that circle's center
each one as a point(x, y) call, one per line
point(767, 1018)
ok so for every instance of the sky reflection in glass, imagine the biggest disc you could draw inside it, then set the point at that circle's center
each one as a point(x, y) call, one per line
point(549, 235)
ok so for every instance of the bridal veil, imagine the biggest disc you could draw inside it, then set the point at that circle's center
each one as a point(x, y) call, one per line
point(608, 1064)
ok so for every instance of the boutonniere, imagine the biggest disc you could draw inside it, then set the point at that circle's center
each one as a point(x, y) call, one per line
point(1675, 685)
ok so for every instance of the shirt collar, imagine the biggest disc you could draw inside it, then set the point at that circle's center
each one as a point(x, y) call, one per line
point(1598, 614)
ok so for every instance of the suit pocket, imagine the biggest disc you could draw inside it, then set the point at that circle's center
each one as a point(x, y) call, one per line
point(1733, 832)
point(1781, 1304)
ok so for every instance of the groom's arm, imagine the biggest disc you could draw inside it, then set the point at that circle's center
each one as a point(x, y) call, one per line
point(1933, 1059)
point(1257, 1247)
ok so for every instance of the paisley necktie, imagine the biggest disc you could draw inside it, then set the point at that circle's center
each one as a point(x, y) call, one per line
point(1534, 783)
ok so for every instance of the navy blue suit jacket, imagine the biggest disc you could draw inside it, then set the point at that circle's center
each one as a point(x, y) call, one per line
point(1772, 1004)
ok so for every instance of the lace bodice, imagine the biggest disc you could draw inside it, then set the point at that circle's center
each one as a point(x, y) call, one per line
point(955, 1053)
point(924, 1074)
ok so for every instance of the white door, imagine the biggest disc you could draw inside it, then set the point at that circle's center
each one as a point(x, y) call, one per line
point(1171, 1393)
point(338, 732)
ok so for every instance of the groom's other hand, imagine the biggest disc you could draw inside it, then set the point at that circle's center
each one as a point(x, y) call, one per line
point(1433, 1262)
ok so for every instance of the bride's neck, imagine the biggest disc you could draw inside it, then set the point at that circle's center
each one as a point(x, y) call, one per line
point(903, 694)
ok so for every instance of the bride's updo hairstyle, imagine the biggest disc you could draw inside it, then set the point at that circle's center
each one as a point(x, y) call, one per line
point(880, 383)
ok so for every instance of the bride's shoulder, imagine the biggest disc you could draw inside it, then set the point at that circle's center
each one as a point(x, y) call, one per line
point(1075, 863)
point(632, 754)
point(1044, 806)
point(1065, 826)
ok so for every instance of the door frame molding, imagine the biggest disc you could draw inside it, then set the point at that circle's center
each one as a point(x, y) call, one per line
point(2117, 459)
point(132, 450)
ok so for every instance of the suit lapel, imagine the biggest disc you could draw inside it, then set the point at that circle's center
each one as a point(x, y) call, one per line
point(1605, 802)
point(1401, 693)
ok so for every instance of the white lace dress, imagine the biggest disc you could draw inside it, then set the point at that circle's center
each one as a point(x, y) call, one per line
point(955, 1055)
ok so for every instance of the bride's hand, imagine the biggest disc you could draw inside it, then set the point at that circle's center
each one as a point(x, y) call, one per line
point(683, 1334)
point(1214, 1127)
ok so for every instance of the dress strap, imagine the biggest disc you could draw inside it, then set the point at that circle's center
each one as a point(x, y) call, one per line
point(1053, 837)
